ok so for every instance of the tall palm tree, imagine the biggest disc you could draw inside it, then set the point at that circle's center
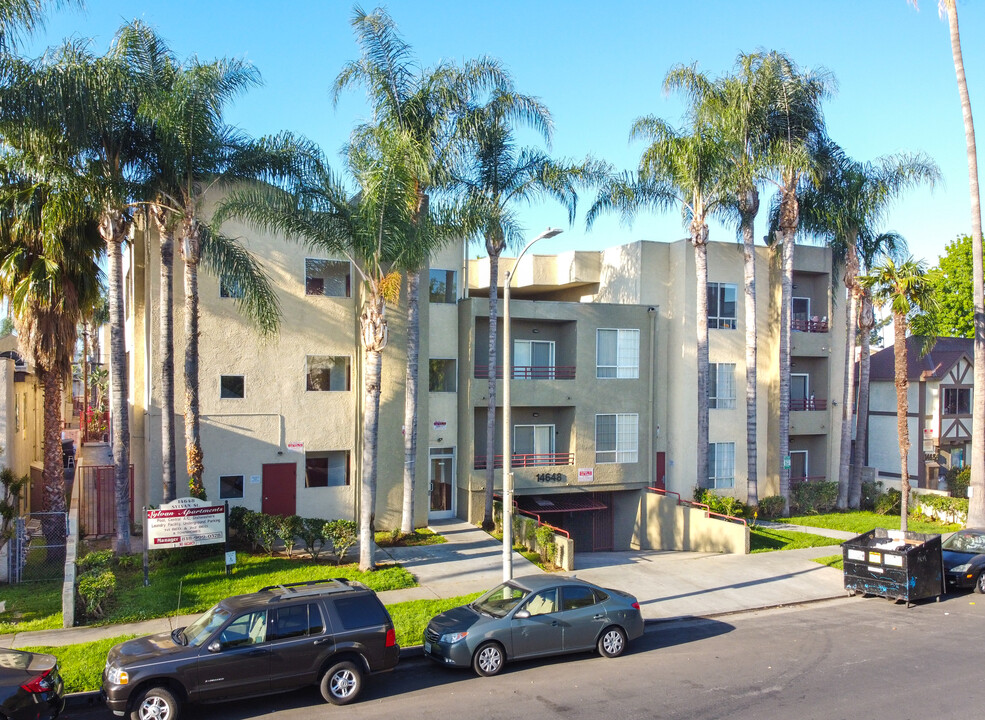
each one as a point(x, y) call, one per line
point(22, 17)
point(849, 202)
point(424, 106)
point(906, 288)
point(496, 176)
point(685, 169)
point(796, 139)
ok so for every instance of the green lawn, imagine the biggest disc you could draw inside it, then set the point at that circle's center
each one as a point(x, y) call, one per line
point(421, 536)
point(82, 664)
point(32, 606)
point(763, 539)
point(833, 561)
point(862, 522)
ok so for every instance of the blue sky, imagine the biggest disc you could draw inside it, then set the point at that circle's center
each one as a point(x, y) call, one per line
point(599, 66)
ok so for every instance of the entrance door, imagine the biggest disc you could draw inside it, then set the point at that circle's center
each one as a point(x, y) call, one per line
point(280, 489)
point(800, 390)
point(799, 468)
point(442, 483)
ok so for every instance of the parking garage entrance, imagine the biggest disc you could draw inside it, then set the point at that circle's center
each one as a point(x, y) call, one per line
point(586, 516)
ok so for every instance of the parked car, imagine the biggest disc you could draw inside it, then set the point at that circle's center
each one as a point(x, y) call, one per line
point(30, 686)
point(964, 559)
point(531, 617)
point(328, 633)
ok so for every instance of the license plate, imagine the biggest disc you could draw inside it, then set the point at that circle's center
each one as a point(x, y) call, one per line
point(427, 646)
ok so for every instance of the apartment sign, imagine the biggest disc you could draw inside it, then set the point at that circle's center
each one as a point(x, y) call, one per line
point(586, 475)
point(185, 522)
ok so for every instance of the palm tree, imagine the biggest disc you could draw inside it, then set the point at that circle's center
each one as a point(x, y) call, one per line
point(906, 288)
point(424, 107)
point(685, 169)
point(22, 17)
point(372, 229)
point(851, 199)
point(495, 177)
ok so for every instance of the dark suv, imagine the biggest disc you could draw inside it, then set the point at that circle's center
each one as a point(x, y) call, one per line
point(325, 632)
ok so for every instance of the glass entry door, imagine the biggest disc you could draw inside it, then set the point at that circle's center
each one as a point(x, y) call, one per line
point(442, 483)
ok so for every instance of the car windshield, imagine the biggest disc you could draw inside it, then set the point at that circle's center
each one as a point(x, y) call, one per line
point(500, 600)
point(201, 630)
point(967, 542)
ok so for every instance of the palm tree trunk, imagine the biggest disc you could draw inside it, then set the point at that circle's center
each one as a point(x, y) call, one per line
point(786, 293)
point(866, 323)
point(752, 341)
point(373, 324)
point(699, 238)
point(166, 340)
point(53, 497)
point(976, 505)
point(487, 516)
point(848, 392)
point(410, 398)
point(113, 229)
point(902, 410)
point(84, 419)
point(191, 252)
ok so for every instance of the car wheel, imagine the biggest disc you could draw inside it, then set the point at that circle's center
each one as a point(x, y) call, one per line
point(980, 583)
point(155, 703)
point(342, 683)
point(488, 659)
point(612, 642)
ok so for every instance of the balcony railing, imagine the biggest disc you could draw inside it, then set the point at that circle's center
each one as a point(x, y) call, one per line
point(811, 326)
point(808, 478)
point(808, 404)
point(527, 460)
point(531, 372)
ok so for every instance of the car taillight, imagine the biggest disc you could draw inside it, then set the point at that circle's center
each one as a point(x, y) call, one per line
point(391, 637)
point(636, 606)
point(40, 684)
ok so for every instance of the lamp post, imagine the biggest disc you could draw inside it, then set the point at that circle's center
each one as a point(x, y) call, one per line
point(507, 429)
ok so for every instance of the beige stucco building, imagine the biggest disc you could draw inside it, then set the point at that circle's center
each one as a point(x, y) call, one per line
point(603, 401)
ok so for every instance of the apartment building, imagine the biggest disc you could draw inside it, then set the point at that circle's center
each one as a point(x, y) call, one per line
point(603, 396)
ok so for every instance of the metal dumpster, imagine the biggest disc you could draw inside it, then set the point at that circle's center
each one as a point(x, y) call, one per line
point(894, 564)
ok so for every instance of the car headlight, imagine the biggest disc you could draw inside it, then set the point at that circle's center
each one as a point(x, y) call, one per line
point(961, 568)
point(453, 637)
point(118, 676)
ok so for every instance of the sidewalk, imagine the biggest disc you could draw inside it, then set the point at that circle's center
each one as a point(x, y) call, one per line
point(668, 585)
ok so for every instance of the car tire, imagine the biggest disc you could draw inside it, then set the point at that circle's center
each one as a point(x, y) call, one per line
point(488, 659)
point(341, 684)
point(980, 583)
point(612, 642)
point(155, 703)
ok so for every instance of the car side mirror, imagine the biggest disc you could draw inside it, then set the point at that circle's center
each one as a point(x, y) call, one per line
point(215, 646)
point(521, 614)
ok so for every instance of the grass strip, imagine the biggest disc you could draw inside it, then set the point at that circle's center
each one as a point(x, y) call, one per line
point(763, 539)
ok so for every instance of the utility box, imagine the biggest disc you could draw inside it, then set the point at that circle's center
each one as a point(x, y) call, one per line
point(894, 564)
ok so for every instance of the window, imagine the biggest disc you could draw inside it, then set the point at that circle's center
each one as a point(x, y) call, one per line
point(533, 359)
point(721, 465)
point(442, 286)
point(537, 440)
point(230, 487)
point(297, 621)
point(721, 386)
point(326, 469)
point(326, 372)
point(542, 603)
point(228, 289)
point(616, 438)
point(800, 309)
point(721, 306)
point(576, 596)
point(248, 629)
point(360, 612)
point(327, 277)
point(231, 386)
point(957, 401)
point(442, 377)
point(617, 353)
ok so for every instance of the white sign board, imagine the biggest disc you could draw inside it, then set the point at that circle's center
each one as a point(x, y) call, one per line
point(296, 447)
point(586, 474)
point(185, 522)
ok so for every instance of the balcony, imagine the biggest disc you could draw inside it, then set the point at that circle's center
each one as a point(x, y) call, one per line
point(809, 326)
point(808, 404)
point(528, 460)
point(530, 372)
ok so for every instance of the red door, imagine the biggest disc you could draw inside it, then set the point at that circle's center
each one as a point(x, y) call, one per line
point(280, 489)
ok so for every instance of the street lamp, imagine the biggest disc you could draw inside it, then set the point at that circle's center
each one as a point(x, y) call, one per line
point(507, 430)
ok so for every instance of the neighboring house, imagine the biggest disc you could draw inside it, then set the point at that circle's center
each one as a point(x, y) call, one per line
point(21, 422)
point(939, 419)
point(603, 395)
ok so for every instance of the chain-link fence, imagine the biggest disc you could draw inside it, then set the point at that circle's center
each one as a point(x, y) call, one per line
point(37, 549)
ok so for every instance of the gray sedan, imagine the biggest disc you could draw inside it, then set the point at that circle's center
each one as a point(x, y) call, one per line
point(531, 617)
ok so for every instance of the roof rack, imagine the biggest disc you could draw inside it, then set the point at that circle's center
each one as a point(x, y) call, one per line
point(309, 587)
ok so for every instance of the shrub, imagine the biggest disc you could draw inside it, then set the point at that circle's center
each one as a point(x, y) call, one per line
point(97, 560)
point(343, 535)
point(889, 502)
point(871, 492)
point(721, 504)
point(288, 530)
point(546, 544)
point(942, 507)
point(265, 529)
point(312, 534)
point(771, 506)
point(237, 519)
point(812, 497)
point(129, 562)
point(958, 480)
point(96, 587)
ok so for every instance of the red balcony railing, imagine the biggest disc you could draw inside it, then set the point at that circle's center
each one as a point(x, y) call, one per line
point(528, 460)
point(808, 404)
point(811, 326)
point(531, 372)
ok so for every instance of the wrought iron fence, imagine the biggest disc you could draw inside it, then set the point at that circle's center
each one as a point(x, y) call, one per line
point(37, 548)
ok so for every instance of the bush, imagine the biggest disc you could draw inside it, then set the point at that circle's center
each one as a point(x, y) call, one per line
point(96, 587)
point(944, 508)
point(312, 534)
point(721, 504)
point(813, 497)
point(771, 506)
point(871, 492)
point(342, 534)
point(265, 529)
point(97, 560)
point(288, 529)
point(958, 480)
point(889, 502)
point(237, 519)
point(546, 545)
